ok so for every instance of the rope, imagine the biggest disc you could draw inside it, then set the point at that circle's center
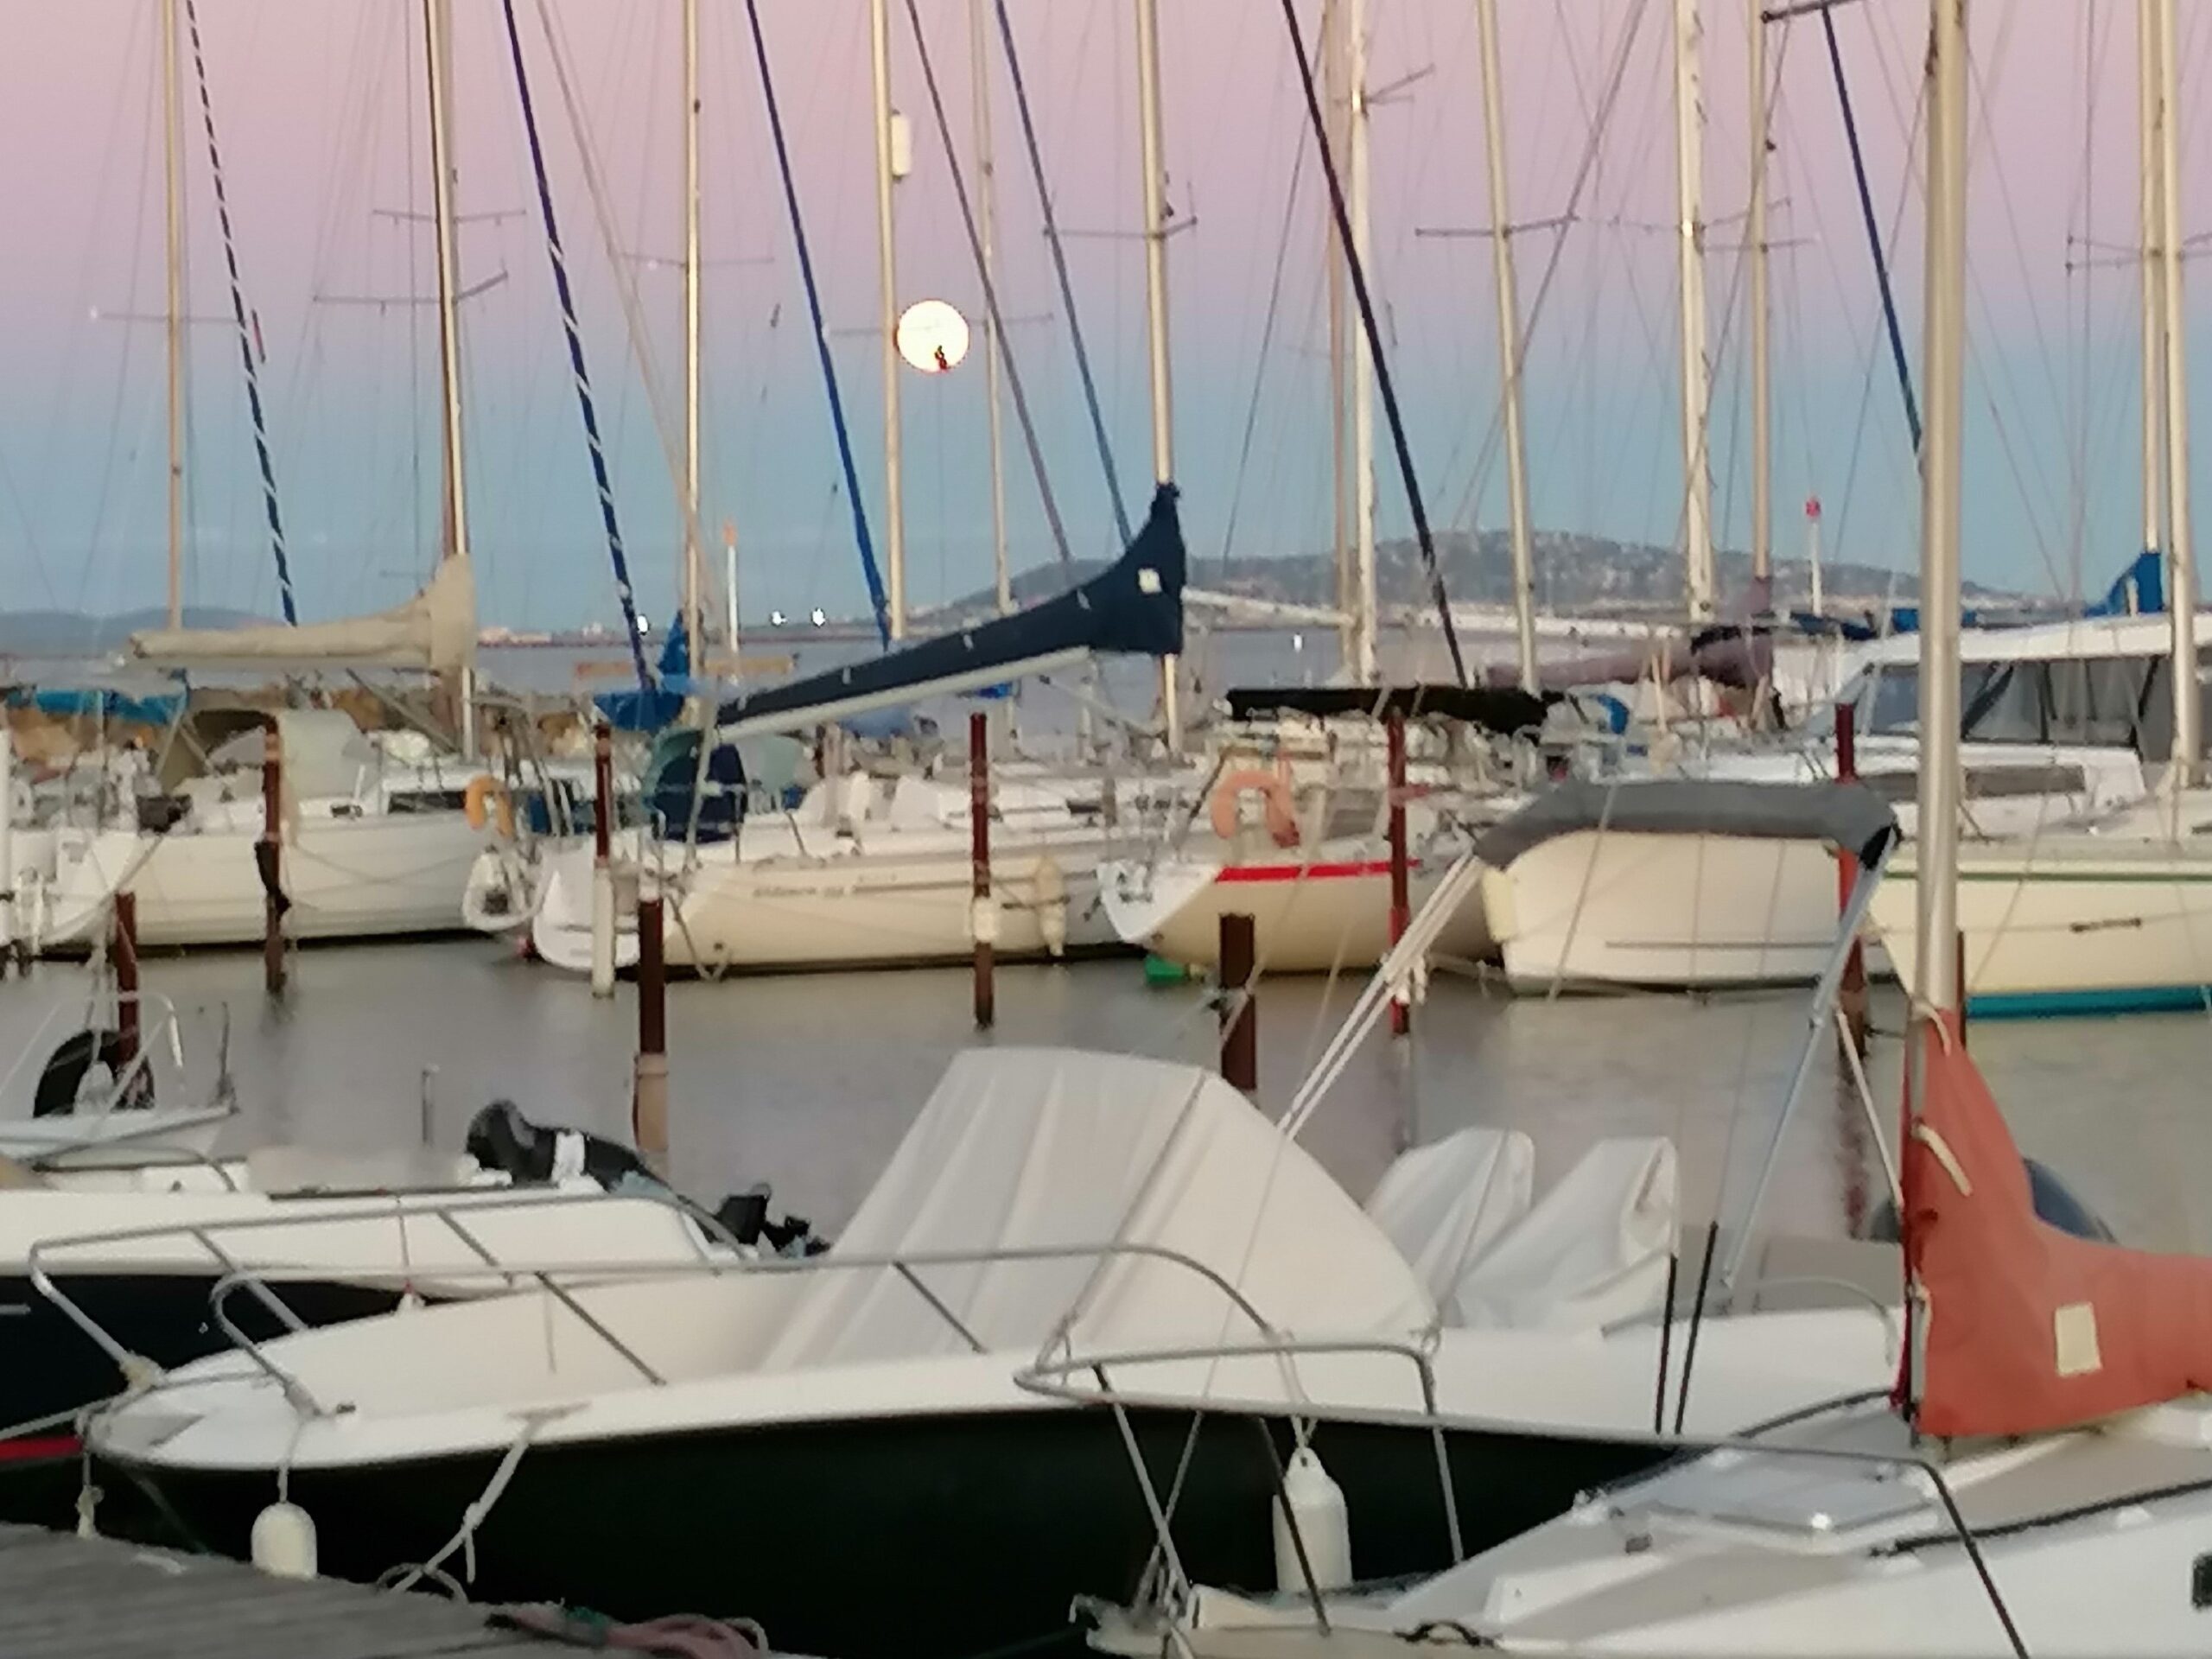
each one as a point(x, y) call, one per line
point(991, 296)
point(239, 316)
point(877, 598)
point(559, 259)
point(1873, 230)
point(1060, 275)
point(464, 1541)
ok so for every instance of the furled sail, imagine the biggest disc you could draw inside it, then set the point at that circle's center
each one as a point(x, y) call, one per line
point(2026, 1328)
point(436, 629)
point(1134, 607)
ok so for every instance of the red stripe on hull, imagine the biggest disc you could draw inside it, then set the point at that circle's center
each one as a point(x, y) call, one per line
point(37, 1448)
point(1306, 872)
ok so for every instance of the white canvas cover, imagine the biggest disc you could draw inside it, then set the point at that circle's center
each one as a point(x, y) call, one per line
point(1055, 1146)
point(436, 629)
point(1444, 1204)
point(1592, 1250)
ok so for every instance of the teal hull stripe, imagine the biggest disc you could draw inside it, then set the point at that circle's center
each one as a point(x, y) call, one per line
point(2033, 1005)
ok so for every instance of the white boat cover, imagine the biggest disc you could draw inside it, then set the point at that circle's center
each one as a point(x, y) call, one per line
point(1592, 1250)
point(436, 629)
point(1444, 1204)
point(1021, 1149)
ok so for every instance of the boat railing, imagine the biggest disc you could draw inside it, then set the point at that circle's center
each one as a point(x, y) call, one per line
point(559, 1279)
point(1059, 1379)
point(1060, 1376)
point(159, 1024)
point(401, 1207)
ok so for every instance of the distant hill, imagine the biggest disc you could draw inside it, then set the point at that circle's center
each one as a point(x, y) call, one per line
point(1586, 574)
point(74, 634)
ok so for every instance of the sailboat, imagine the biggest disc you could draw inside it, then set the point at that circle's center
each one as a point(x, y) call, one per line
point(2115, 915)
point(377, 836)
point(2039, 1477)
point(880, 872)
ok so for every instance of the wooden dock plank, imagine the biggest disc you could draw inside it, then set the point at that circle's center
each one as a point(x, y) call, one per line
point(62, 1597)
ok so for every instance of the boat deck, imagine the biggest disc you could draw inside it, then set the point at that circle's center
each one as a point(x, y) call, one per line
point(62, 1597)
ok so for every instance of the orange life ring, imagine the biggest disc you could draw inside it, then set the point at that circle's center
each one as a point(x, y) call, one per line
point(1274, 795)
point(487, 797)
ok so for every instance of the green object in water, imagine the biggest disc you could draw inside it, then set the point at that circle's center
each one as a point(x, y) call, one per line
point(1157, 971)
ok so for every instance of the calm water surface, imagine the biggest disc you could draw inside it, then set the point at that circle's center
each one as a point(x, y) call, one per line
point(810, 1081)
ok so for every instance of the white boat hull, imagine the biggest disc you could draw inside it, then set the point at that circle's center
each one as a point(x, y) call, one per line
point(2069, 925)
point(1320, 916)
point(352, 878)
point(1610, 909)
point(857, 910)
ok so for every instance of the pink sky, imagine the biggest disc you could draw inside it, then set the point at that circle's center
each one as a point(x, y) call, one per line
point(318, 104)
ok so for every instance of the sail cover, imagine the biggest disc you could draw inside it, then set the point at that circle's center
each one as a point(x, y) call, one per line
point(1849, 817)
point(1030, 1148)
point(1134, 607)
point(2028, 1329)
point(436, 629)
point(1507, 709)
point(1446, 1203)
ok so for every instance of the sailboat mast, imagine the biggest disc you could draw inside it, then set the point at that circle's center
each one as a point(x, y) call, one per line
point(1943, 384)
point(1761, 366)
point(2181, 553)
point(437, 45)
point(2150, 91)
point(1154, 163)
point(979, 73)
point(1363, 666)
point(693, 640)
point(1689, 170)
point(173, 202)
point(895, 488)
point(1339, 141)
point(1509, 348)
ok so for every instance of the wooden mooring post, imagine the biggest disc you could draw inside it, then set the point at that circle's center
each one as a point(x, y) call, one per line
point(602, 863)
point(1851, 992)
point(269, 853)
point(1240, 1008)
point(984, 920)
point(649, 1102)
point(1401, 874)
point(123, 952)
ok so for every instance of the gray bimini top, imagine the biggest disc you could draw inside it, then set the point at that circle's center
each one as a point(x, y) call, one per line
point(1850, 817)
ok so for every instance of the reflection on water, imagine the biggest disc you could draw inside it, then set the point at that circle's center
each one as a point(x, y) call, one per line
point(810, 1081)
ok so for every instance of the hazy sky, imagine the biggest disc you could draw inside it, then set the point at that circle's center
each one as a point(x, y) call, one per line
point(320, 108)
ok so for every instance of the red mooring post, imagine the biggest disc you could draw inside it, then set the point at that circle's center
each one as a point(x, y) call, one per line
point(1402, 911)
point(983, 919)
point(649, 1101)
point(271, 855)
point(1240, 1011)
point(603, 795)
point(123, 952)
point(1851, 994)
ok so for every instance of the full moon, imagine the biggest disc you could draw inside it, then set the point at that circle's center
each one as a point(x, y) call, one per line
point(933, 336)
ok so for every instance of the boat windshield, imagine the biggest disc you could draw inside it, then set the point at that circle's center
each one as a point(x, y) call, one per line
point(2101, 702)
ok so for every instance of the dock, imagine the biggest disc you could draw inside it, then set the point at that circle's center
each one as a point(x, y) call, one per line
point(63, 1597)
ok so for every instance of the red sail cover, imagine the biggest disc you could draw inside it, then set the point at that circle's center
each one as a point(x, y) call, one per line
point(2028, 1328)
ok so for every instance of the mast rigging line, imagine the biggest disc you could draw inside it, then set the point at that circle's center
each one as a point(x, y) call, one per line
point(1355, 267)
point(559, 259)
point(625, 290)
point(1565, 220)
point(878, 599)
point(246, 331)
point(1054, 240)
point(1013, 385)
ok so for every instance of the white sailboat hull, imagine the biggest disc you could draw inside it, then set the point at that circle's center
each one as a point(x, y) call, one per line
point(1324, 914)
point(2071, 924)
point(350, 878)
point(859, 909)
